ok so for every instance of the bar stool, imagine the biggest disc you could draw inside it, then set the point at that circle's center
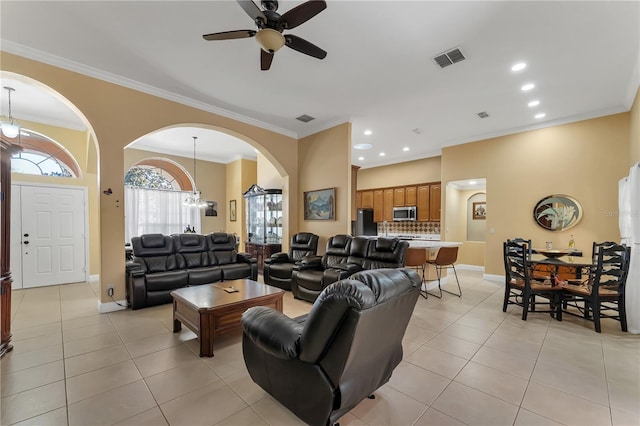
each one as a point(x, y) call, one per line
point(417, 258)
point(445, 259)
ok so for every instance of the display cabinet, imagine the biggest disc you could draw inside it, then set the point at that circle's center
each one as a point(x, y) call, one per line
point(264, 222)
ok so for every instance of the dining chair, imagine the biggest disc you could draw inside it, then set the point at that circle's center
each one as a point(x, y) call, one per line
point(602, 295)
point(445, 259)
point(520, 288)
point(417, 258)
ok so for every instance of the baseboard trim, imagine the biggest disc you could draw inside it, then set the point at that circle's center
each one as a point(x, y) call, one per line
point(491, 277)
point(94, 278)
point(470, 267)
point(105, 308)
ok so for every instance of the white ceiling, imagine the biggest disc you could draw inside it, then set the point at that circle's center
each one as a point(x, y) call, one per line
point(583, 57)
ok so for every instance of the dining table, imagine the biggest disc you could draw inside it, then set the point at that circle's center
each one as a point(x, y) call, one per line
point(564, 265)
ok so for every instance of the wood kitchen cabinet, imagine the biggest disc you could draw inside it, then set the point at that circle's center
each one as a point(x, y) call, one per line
point(422, 203)
point(434, 202)
point(367, 199)
point(410, 196)
point(378, 205)
point(426, 198)
point(388, 204)
point(399, 197)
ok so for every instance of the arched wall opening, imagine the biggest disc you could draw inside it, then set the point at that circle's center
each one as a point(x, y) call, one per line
point(58, 128)
point(119, 115)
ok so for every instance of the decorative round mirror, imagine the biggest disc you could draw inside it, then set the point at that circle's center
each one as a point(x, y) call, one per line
point(557, 212)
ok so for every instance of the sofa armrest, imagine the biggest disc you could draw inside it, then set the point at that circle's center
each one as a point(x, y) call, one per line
point(246, 258)
point(136, 286)
point(272, 331)
point(278, 258)
point(309, 263)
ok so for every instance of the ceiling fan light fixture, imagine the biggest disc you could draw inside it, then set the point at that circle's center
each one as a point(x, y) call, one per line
point(270, 40)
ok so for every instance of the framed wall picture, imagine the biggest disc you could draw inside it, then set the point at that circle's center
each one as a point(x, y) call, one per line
point(480, 210)
point(320, 204)
point(232, 211)
point(212, 208)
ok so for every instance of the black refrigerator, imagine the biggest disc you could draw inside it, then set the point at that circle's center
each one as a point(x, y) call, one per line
point(365, 224)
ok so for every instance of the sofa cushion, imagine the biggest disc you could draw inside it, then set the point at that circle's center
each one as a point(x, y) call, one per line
point(153, 264)
point(153, 240)
point(311, 280)
point(205, 275)
point(235, 271)
point(166, 280)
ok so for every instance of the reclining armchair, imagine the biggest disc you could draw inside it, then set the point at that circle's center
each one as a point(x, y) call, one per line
point(345, 256)
point(313, 273)
point(279, 267)
point(321, 365)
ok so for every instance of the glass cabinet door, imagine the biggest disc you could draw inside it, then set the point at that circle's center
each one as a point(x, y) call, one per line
point(264, 215)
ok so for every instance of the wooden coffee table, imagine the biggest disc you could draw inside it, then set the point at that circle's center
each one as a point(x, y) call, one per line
point(209, 310)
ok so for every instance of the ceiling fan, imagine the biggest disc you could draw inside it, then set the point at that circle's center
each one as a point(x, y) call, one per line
point(270, 25)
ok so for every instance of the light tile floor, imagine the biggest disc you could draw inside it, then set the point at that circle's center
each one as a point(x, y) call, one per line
point(465, 362)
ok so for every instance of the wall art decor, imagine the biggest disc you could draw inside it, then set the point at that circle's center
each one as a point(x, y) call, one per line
point(320, 204)
point(557, 212)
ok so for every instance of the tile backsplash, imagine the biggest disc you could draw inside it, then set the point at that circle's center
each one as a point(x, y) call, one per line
point(410, 227)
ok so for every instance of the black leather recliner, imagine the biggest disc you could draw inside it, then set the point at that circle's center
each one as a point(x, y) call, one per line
point(345, 256)
point(278, 268)
point(321, 365)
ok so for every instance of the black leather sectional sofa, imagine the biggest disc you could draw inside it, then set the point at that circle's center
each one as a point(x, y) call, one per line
point(163, 263)
point(345, 255)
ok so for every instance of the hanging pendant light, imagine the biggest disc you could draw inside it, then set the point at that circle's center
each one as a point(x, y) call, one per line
point(10, 127)
point(194, 200)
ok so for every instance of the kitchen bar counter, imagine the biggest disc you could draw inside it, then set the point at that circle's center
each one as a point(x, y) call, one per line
point(430, 244)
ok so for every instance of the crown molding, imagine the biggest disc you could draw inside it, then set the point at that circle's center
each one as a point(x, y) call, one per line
point(57, 61)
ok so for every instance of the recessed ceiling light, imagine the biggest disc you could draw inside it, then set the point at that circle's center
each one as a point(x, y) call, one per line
point(363, 146)
point(527, 87)
point(541, 115)
point(406, 148)
point(367, 132)
point(382, 154)
point(533, 103)
point(519, 66)
point(360, 158)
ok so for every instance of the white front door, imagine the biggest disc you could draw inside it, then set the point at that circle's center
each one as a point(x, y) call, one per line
point(52, 235)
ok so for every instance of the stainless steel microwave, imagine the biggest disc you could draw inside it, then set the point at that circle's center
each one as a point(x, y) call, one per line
point(404, 213)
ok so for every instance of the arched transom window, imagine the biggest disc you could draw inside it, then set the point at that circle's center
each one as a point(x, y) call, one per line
point(41, 155)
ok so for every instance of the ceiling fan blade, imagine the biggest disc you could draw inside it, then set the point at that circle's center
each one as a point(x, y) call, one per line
point(228, 35)
point(252, 10)
point(265, 60)
point(303, 46)
point(302, 13)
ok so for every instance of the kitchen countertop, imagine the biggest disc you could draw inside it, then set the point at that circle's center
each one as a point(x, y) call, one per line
point(433, 244)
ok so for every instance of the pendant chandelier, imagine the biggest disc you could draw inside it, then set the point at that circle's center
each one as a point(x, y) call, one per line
point(194, 200)
point(10, 127)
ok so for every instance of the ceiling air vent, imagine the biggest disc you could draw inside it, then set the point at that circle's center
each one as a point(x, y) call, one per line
point(483, 114)
point(448, 58)
point(305, 118)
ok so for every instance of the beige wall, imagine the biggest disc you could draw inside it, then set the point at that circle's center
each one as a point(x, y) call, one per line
point(83, 150)
point(211, 183)
point(418, 171)
point(117, 116)
point(268, 175)
point(325, 162)
point(583, 159)
point(634, 133)
point(241, 174)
